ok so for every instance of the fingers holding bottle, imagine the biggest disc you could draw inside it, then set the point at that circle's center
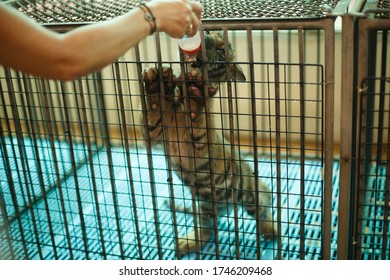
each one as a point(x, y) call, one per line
point(176, 17)
point(195, 18)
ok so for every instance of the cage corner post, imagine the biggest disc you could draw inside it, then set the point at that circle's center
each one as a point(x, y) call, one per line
point(346, 126)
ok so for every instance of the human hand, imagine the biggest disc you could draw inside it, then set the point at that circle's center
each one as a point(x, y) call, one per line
point(176, 17)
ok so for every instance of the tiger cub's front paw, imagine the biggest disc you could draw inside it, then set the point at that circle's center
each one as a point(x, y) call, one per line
point(196, 91)
point(196, 84)
point(152, 82)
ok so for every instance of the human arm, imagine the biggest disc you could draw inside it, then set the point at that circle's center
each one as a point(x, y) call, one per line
point(28, 47)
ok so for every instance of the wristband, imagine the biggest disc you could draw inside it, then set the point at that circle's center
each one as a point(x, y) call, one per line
point(149, 17)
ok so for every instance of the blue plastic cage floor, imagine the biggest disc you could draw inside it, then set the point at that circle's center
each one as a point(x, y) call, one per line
point(82, 236)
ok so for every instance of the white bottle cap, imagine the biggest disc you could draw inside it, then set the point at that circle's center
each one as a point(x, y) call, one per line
point(190, 45)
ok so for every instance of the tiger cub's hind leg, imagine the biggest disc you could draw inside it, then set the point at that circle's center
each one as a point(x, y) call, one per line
point(197, 238)
point(268, 227)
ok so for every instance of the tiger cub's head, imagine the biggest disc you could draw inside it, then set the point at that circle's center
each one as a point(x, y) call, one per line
point(216, 59)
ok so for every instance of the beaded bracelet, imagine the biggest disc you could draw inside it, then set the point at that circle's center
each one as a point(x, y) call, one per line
point(149, 17)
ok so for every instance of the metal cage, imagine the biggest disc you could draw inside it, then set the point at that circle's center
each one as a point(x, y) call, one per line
point(366, 214)
point(78, 181)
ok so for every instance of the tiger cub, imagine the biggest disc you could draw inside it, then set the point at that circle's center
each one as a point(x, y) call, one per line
point(196, 149)
point(193, 146)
